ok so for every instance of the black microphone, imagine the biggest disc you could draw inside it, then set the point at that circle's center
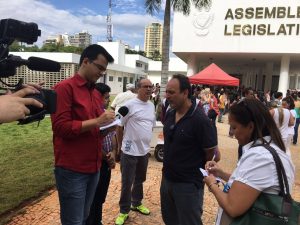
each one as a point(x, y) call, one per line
point(40, 64)
point(33, 63)
point(123, 111)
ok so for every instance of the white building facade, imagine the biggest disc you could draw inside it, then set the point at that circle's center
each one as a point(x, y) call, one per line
point(127, 68)
point(176, 66)
point(256, 41)
point(118, 75)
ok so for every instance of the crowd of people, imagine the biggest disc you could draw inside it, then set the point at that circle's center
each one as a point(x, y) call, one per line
point(85, 154)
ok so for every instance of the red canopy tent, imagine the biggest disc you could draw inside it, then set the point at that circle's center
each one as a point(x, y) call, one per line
point(213, 75)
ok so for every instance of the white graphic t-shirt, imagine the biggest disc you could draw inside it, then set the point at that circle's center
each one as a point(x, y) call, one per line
point(138, 125)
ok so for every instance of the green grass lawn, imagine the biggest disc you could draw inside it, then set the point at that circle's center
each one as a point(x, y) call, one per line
point(26, 162)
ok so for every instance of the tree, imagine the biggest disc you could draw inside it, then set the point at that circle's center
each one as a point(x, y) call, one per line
point(50, 47)
point(130, 51)
point(71, 49)
point(33, 48)
point(156, 56)
point(183, 6)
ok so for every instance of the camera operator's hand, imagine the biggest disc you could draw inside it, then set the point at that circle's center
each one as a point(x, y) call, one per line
point(13, 106)
point(35, 87)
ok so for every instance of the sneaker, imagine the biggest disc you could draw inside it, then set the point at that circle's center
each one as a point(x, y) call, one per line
point(142, 209)
point(122, 217)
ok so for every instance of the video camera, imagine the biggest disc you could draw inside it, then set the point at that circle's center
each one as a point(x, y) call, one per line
point(11, 30)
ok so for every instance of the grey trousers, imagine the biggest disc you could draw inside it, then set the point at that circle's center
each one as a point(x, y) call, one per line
point(181, 203)
point(133, 170)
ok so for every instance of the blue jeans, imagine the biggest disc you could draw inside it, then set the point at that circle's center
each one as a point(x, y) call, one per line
point(221, 115)
point(295, 138)
point(181, 203)
point(76, 192)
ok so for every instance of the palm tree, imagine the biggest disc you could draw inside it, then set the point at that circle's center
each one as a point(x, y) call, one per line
point(183, 6)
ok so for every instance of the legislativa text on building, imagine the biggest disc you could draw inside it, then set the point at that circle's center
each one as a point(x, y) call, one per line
point(256, 41)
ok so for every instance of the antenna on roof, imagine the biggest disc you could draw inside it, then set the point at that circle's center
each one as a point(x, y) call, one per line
point(109, 23)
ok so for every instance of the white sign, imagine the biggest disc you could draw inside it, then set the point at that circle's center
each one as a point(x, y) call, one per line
point(257, 26)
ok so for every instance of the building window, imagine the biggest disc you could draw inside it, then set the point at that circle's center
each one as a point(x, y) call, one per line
point(138, 64)
point(111, 78)
point(119, 79)
point(131, 80)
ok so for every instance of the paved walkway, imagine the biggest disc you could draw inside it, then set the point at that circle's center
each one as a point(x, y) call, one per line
point(46, 211)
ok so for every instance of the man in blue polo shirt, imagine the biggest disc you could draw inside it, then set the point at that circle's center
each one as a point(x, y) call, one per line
point(190, 141)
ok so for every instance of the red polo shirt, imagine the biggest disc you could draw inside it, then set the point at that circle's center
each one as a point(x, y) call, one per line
point(76, 102)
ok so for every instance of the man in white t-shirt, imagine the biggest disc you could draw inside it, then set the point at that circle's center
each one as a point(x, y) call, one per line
point(134, 142)
point(121, 98)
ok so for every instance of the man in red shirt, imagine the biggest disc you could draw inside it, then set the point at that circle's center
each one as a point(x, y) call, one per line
point(76, 137)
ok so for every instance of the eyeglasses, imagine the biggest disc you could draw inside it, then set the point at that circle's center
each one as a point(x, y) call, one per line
point(147, 86)
point(101, 68)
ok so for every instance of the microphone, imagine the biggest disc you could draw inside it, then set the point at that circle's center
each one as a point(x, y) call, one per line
point(40, 64)
point(33, 63)
point(123, 111)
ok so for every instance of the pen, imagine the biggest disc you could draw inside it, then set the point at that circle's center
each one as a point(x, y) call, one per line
point(213, 158)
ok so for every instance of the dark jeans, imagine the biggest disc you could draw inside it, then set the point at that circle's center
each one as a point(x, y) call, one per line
point(133, 170)
point(181, 203)
point(295, 137)
point(76, 192)
point(220, 115)
point(95, 217)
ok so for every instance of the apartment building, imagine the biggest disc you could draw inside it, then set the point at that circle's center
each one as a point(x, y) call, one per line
point(153, 40)
point(81, 39)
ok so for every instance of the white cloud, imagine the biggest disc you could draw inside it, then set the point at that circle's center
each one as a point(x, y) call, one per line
point(127, 26)
point(125, 5)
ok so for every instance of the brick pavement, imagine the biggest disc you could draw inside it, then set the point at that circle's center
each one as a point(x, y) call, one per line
point(46, 210)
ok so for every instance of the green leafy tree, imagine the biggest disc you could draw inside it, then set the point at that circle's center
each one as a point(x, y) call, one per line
point(142, 53)
point(156, 56)
point(33, 48)
point(71, 49)
point(130, 51)
point(184, 6)
point(50, 48)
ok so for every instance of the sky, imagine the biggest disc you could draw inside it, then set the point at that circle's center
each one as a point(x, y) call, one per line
point(54, 17)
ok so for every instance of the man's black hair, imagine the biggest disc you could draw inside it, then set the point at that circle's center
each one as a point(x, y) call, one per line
point(91, 52)
point(102, 88)
point(247, 90)
point(184, 83)
point(278, 94)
